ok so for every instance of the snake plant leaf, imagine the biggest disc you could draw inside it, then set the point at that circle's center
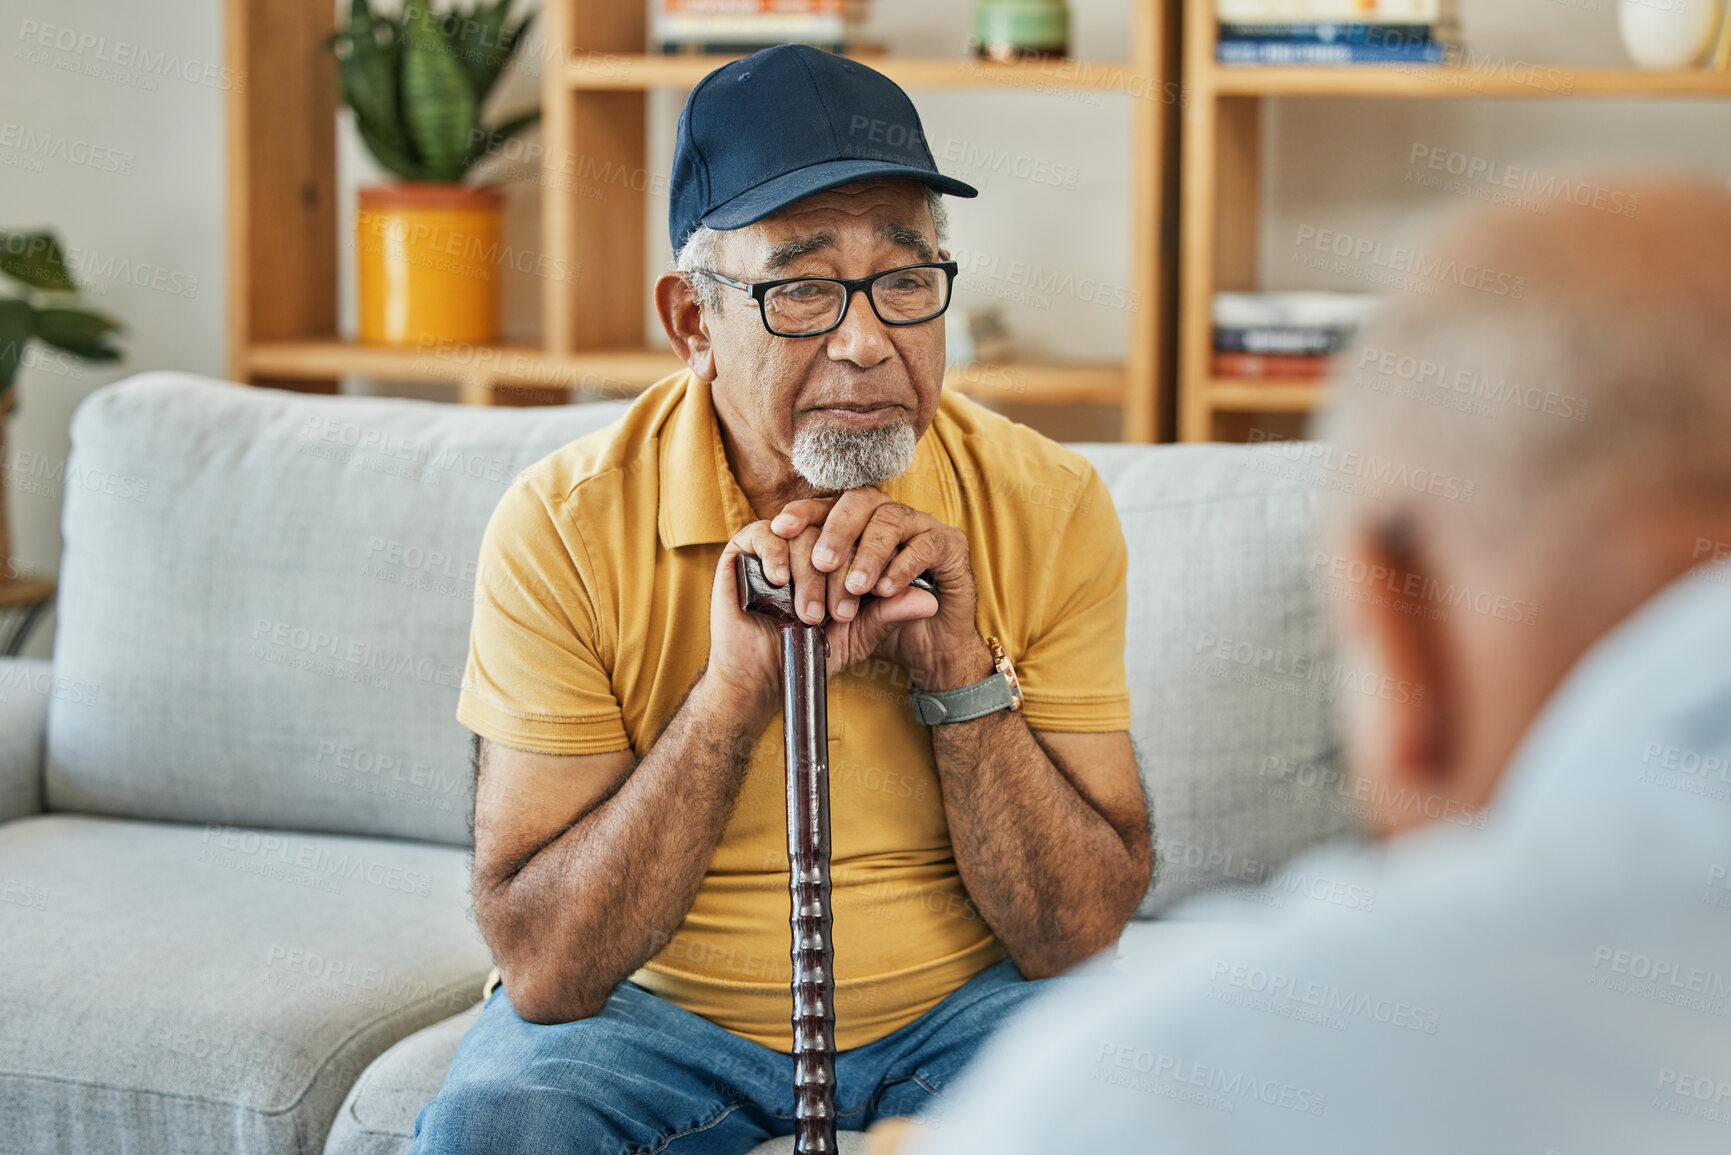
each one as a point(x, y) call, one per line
point(438, 102)
point(389, 152)
point(16, 327)
point(36, 260)
point(496, 136)
point(82, 332)
point(476, 40)
point(501, 44)
point(366, 52)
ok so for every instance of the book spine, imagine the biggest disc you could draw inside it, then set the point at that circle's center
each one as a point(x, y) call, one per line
point(1270, 366)
point(1286, 339)
point(1285, 52)
point(751, 7)
point(1329, 33)
point(744, 47)
point(733, 32)
point(1338, 11)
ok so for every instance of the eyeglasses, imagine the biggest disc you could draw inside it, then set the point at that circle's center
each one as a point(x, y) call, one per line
point(809, 306)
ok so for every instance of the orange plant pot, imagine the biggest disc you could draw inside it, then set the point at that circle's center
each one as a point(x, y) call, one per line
point(426, 263)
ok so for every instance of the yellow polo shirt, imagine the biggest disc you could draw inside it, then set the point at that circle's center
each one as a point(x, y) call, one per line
point(591, 619)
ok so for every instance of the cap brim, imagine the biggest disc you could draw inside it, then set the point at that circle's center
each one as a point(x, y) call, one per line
point(754, 204)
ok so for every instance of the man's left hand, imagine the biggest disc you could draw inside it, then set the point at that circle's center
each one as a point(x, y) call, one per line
point(866, 543)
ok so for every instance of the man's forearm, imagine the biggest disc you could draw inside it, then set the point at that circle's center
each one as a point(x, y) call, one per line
point(591, 906)
point(1051, 874)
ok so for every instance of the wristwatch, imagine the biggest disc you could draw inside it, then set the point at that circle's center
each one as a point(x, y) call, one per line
point(999, 690)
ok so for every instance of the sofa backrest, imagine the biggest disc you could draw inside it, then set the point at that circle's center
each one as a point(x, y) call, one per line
point(288, 654)
point(1229, 661)
point(264, 602)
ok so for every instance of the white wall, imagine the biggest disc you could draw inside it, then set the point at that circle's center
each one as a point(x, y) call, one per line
point(1333, 164)
point(1345, 165)
point(149, 236)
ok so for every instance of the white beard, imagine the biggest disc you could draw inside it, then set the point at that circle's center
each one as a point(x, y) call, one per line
point(831, 458)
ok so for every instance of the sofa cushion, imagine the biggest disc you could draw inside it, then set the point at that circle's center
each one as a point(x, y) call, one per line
point(26, 687)
point(1229, 663)
point(265, 600)
point(204, 988)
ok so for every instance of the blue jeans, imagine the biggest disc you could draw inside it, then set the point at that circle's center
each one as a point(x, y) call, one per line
point(646, 1076)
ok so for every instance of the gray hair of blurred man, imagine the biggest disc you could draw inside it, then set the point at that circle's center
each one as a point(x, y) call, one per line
point(1549, 434)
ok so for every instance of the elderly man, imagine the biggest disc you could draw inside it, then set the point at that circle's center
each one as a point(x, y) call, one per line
point(630, 849)
point(1560, 980)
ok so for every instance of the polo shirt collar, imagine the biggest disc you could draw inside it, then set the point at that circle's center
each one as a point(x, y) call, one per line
point(701, 502)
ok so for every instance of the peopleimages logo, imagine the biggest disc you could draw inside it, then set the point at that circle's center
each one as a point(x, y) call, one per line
point(1470, 385)
point(1376, 473)
point(121, 60)
point(1324, 997)
point(1399, 260)
point(1043, 283)
point(1333, 676)
point(1411, 589)
point(240, 847)
point(1118, 1063)
point(1525, 181)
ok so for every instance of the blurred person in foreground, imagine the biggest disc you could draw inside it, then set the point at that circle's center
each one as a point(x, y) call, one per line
point(1559, 980)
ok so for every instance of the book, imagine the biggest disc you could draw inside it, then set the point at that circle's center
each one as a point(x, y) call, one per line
point(1324, 33)
point(1314, 308)
point(1305, 53)
point(1289, 340)
point(1271, 366)
point(736, 26)
point(1337, 11)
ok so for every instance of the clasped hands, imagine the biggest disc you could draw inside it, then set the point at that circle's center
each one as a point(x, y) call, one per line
point(836, 551)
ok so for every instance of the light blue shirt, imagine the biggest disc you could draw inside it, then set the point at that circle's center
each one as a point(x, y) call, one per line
point(1557, 981)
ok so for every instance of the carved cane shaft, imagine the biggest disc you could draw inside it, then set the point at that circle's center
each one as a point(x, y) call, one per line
point(808, 851)
point(805, 714)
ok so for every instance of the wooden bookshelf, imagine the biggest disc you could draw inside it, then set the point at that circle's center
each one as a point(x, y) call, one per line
point(1436, 82)
point(595, 79)
point(477, 372)
point(1220, 200)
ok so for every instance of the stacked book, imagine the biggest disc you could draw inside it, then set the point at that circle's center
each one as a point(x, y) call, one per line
point(1284, 336)
point(734, 27)
point(1310, 32)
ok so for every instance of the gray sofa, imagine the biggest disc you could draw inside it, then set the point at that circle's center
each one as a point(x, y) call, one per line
point(234, 832)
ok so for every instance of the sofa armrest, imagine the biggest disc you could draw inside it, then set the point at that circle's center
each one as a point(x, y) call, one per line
point(25, 685)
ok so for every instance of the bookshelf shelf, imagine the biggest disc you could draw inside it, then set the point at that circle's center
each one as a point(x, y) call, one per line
point(284, 249)
point(1221, 174)
point(1264, 396)
point(475, 369)
point(1436, 82)
point(644, 71)
point(523, 369)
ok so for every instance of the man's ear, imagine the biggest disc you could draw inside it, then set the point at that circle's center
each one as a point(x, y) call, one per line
point(1401, 711)
point(686, 324)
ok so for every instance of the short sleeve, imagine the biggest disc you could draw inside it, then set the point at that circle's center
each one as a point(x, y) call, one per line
point(536, 678)
point(1072, 672)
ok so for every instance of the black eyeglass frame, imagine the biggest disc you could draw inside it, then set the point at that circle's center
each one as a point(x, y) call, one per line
point(758, 290)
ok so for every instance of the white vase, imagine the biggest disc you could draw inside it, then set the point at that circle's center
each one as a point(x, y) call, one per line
point(1667, 33)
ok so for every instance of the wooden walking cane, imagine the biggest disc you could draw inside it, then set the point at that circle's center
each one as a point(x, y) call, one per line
point(805, 712)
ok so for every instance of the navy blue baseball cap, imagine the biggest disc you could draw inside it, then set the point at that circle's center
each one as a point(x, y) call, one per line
point(760, 133)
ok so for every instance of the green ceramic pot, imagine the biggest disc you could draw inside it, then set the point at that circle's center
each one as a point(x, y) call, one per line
point(1012, 29)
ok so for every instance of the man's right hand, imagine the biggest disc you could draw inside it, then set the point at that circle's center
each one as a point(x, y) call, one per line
point(744, 669)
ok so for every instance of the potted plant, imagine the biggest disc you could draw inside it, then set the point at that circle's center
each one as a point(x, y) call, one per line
point(39, 301)
point(426, 247)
